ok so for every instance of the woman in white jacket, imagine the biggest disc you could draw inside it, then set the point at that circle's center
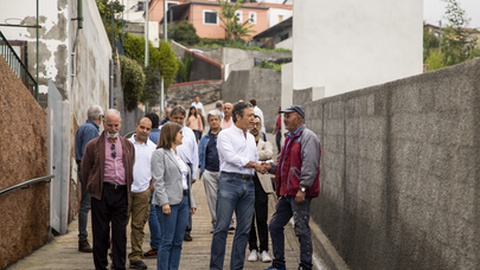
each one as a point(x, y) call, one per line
point(172, 196)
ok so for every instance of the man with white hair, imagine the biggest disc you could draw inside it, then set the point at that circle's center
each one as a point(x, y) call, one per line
point(107, 172)
point(86, 133)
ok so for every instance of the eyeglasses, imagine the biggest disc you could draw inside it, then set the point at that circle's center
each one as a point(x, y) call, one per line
point(256, 124)
point(114, 153)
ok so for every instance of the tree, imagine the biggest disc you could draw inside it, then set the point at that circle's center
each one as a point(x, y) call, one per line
point(184, 33)
point(457, 44)
point(133, 82)
point(234, 31)
point(109, 10)
point(162, 64)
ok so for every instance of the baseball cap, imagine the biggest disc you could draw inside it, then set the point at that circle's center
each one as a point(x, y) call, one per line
point(295, 108)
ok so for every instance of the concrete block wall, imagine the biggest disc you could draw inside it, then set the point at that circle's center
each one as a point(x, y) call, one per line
point(399, 171)
point(262, 84)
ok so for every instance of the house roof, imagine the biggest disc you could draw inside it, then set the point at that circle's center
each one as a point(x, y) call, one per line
point(275, 29)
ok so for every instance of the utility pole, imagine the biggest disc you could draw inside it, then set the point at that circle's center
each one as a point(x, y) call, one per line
point(147, 11)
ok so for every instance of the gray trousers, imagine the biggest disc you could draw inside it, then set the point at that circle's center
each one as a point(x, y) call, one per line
point(210, 183)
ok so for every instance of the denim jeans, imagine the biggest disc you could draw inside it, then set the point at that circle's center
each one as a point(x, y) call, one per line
point(286, 208)
point(234, 194)
point(154, 227)
point(173, 230)
point(85, 206)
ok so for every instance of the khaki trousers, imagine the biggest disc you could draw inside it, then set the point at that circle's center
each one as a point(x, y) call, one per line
point(138, 210)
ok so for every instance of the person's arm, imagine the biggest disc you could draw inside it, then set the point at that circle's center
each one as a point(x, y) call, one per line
point(200, 124)
point(266, 152)
point(158, 176)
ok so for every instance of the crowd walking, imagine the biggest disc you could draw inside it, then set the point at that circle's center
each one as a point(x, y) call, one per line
point(149, 178)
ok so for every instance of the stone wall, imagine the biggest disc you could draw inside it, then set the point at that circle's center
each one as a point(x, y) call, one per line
point(25, 212)
point(184, 93)
point(399, 171)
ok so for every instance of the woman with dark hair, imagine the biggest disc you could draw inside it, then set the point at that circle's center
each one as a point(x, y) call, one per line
point(172, 196)
point(194, 121)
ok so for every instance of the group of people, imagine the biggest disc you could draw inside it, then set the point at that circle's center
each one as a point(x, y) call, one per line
point(150, 177)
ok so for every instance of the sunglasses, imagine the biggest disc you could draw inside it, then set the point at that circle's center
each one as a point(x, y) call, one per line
point(114, 153)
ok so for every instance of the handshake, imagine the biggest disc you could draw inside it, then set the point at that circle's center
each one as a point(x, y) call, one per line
point(261, 167)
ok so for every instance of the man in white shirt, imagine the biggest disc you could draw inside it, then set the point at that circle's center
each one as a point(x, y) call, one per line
point(188, 152)
point(138, 208)
point(238, 158)
point(198, 105)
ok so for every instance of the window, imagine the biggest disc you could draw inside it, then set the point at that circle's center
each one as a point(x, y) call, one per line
point(253, 17)
point(210, 17)
point(239, 15)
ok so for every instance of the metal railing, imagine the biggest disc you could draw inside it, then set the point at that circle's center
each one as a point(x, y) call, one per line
point(26, 184)
point(14, 61)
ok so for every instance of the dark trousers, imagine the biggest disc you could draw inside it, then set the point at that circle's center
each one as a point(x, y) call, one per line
point(278, 140)
point(112, 208)
point(260, 216)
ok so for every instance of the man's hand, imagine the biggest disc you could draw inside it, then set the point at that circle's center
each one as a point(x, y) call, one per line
point(300, 197)
point(192, 211)
point(166, 209)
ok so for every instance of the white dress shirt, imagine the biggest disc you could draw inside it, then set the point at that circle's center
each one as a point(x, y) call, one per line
point(142, 174)
point(188, 150)
point(199, 105)
point(235, 150)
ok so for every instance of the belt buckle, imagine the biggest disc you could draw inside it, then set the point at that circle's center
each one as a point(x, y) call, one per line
point(116, 186)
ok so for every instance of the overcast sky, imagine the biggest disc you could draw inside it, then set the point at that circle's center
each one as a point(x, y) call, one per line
point(434, 10)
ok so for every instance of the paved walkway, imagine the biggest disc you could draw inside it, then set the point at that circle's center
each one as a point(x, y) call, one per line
point(61, 253)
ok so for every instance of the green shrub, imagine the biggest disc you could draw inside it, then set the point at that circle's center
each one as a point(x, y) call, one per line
point(133, 82)
point(183, 33)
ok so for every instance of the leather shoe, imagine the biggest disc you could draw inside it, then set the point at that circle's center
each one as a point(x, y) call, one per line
point(84, 246)
point(187, 237)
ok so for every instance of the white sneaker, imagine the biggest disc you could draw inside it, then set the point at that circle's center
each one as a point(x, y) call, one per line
point(253, 257)
point(265, 257)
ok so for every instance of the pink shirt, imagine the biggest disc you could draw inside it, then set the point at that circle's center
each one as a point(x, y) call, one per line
point(114, 170)
point(226, 124)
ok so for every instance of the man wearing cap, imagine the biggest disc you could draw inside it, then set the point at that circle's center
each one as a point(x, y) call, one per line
point(297, 181)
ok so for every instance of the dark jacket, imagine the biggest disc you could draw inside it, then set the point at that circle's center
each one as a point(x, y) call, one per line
point(301, 165)
point(93, 164)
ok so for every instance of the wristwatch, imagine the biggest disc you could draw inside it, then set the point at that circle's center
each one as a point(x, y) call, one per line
point(303, 189)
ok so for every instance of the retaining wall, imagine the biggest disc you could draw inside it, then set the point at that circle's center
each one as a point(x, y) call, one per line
point(400, 171)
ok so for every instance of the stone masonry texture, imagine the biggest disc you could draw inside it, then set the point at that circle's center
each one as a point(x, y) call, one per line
point(400, 171)
point(23, 155)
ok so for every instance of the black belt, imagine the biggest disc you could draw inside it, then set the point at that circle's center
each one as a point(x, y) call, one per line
point(115, 186)
point(185, 192)
point(239, 175)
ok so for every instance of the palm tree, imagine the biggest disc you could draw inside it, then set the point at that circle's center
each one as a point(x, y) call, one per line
point(233, 29)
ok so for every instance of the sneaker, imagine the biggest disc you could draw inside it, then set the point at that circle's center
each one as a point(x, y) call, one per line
point(152, 253)
point(187, 237)
point(138, 265)
point(253, 257)
point(265, 257)
point(271, 267)
point(231, 229)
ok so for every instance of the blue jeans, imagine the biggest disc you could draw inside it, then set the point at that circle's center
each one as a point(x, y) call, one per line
point(154, 227)
point(173, 230)
point(233, 194)
point(286, 208)
point(85, 206)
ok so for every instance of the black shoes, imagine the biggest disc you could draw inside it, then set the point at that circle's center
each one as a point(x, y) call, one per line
point(187, 237)
point(84, 246)
point(138, 265)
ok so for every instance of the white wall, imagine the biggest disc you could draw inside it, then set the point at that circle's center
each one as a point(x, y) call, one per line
point(275, 13)
point(347, 45)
